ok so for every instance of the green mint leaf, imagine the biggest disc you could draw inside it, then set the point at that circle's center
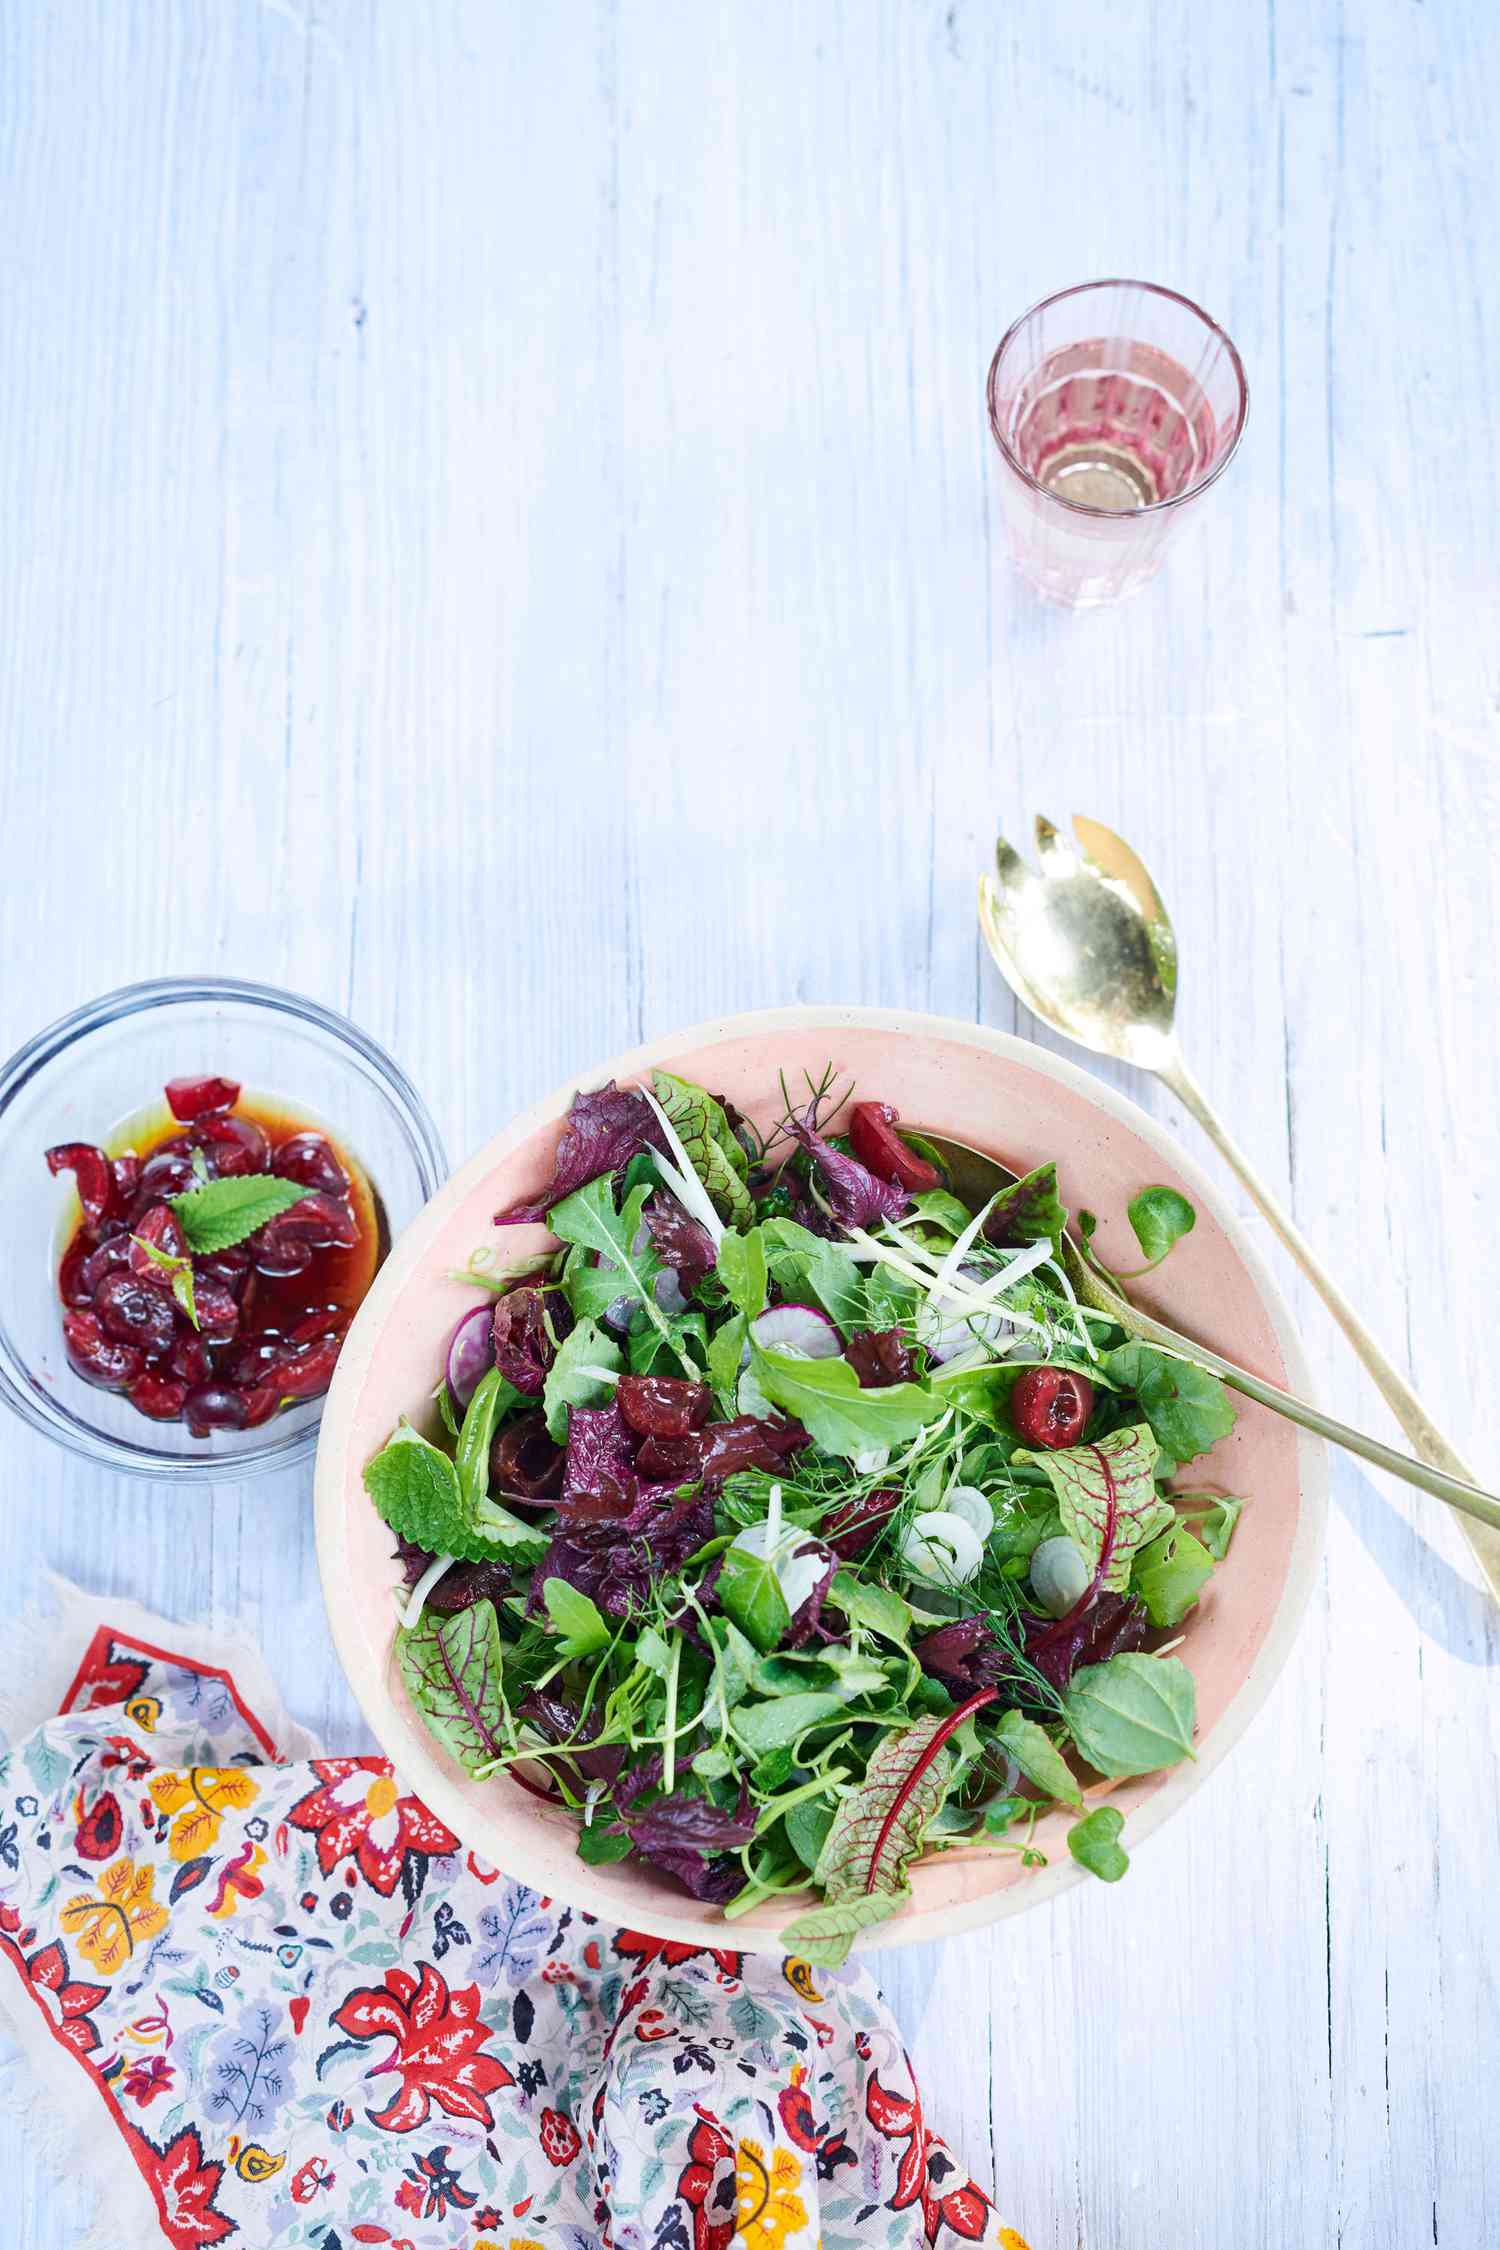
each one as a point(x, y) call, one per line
point(1170, 1573)
point(181, 1271)
point(748, 1590)
point(808, 1270)
point(581, 1629)
point(1134, 1714)
point(773, 1726)
point(416, 1490)
point(865, 1602)
point(1095, 1843)
point(825, 1397)
point(1188, 1409)
point(880, 1823)
point(1038, 1757)
point(825, 1934)
point(706, 1135)
point(742, 1269)
point(452, 1668)
point(1030, 1211)
point(573, 1379)
point(1114, 1478)
point(1159, 1217)
point(598, 1845)
point(221, 1213)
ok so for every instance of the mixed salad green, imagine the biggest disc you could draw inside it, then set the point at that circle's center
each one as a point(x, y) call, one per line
point(790, 1519)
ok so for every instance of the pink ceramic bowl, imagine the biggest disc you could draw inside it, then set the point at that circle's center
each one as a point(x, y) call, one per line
point(979, 1086)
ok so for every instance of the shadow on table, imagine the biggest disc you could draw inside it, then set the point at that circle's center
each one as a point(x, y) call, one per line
point(1460, 1616)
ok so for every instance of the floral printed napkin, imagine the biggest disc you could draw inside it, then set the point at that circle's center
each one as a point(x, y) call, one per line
point(267, 1998)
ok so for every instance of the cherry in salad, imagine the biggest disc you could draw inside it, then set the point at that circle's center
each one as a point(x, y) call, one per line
point(216, 1263)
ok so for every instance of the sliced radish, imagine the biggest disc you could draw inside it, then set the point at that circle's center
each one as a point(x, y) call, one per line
point(967, 1501)
point(941, 1548)
point(471, 1354)
point(798, 1561)
point(797, 1328)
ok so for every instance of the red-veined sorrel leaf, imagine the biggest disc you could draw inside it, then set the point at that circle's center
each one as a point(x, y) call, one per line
point(879, 1826)
point(1109, 1501)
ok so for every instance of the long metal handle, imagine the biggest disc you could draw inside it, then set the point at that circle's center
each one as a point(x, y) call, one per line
point(1426, 1438)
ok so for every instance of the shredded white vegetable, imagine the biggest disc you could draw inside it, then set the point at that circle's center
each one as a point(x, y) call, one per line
point(681, 1177)
point(410, 1617)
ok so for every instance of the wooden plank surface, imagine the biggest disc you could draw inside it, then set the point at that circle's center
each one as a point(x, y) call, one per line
point(500, 533)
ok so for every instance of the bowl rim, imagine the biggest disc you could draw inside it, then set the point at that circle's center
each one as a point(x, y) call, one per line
point(369, 1679)
point(45, 1047)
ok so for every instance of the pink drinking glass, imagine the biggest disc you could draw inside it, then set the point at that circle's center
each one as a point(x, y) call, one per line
point(1115, 406)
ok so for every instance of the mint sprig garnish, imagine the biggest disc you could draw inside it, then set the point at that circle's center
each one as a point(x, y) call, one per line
point(223, 1212)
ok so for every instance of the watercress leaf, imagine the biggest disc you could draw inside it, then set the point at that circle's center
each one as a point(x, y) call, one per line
point(742, 1269)
point(773, 1771)
point(808, 1269)
point(776, 1725)
point(735, 1659)
point(935, 1207)
point(1038, 1757)
point(1159, 1217)
point(807, 1827)
point(581, 1629)
point(452, 1670)
point(864, 1601)
point(1108, 1489)
point(415, 1489)
point(1170, 1573)
point(1188, 1408)
point(749, 1592)
point(1133, 1714)
point(705, 1133)
point(825, 1397)
point(598, 1845)
point(1029, 1211)
point(715, 1763)
point(825, 1934)
point(1095, 1843)
point(880, 1823)
point(650, 1650)
point(573, 1379)
point(1217, 1528)
point(220, 1213)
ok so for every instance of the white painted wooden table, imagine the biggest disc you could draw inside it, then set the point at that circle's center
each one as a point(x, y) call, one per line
point(500, 533)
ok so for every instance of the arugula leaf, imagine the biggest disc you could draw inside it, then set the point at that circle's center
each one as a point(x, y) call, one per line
point(1188, 1409)
point(1030, 1211)
point(221, 1213)
point(1159, 1217)
point(1171, 1573)
point(864, 1601)
point(1108, 1488)
point(571, 1380)
point(1038, 1757)
point(825, 1934)
point(935, 1207)
point(706, 1135)
point(1217, 1527)
point(1095, 1843)
point(588, 1219)
point(683, 1343)
point(825, 1397)
point(726, 1349)
point(581, 1629)
point(1134, 1714)
point(452, 1668)
point(804, 1267)
point(748, 1590)
point(180, 1269)
point(771, 1726)
point(742, 1269)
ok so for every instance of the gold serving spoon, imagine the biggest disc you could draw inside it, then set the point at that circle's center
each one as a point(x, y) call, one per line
point(1086, 943)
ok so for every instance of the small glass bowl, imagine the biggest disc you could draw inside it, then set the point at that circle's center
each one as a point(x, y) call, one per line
point(77, 1081)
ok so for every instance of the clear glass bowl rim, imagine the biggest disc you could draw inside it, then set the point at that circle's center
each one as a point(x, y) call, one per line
point(44, 1048)
point(1152, 289)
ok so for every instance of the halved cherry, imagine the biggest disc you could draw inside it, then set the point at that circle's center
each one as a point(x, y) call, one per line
point(73, 1274)
point(91, 1170)
point(232, 1146)
point(127, 1175)
point(213, 1406)
point(133, 1312)
point(97, 1357)
point(218, 1311)
point(161, 1396)
point(108, 1257)
point(1050, 1406)
point(306, 1373)
point(166, 1173)
point(877, 1144)
point(159, 1227)
point(188, 1098)
point(309, 1160)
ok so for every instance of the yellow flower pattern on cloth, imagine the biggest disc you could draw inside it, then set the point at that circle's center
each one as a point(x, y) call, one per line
point(111, 1922)
point(197, 1798)
point(768, 2211)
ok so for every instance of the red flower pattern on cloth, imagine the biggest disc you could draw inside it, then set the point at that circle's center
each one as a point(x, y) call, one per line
point(438, 2035)
point(331, 2023)
point(358, 1813)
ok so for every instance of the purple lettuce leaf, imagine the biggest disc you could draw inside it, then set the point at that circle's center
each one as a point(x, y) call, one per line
point(603, 1131)
point(599, 1478)
point(854, 1195)
point(1111, 1625)
point(880, 1357)
point(523, 1339)
point(680, 1242)
point(808, 1615)
point(964, 1655)
point(689, 1838)
point(460, 1586)
point(555, 1718)
point(617, 1563)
